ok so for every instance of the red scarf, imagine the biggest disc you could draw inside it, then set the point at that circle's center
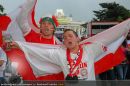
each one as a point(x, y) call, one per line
point(70, 61)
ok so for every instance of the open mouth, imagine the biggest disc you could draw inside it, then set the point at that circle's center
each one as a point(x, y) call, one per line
point(69, 43)
point(46, 30)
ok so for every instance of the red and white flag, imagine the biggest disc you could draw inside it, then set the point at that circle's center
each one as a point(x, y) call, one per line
point(18, 24)
point(22, 21)
point(114, 55)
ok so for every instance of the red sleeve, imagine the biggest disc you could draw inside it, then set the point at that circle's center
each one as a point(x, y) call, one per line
point(30, 36)
point(4, 22)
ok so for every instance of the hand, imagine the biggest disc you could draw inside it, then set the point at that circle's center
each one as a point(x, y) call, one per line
point(1, 62)
point(9, 45)
point(14, 45)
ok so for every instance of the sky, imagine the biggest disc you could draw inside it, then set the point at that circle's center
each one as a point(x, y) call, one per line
point(81, 10)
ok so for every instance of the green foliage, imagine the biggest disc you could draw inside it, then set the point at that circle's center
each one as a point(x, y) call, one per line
point(2, 11)
point(111, 12)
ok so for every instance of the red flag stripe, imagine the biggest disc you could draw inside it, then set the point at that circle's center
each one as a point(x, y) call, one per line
point(109, 61)
point(24, 68)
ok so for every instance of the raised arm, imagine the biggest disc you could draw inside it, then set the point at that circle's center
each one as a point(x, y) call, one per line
point(26, 17)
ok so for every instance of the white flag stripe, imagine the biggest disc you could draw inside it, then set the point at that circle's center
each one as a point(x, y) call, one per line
point(19, 25)
point(13, 28)
point(111, 48)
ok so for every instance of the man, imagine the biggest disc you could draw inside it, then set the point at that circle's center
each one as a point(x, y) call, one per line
point(46, 36)
point(73, 59)
point(2, 61)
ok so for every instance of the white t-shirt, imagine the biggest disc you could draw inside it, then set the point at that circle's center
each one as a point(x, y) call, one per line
point(4, 58)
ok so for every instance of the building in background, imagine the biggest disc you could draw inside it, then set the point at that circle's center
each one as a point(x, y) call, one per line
point(66, 22)
point(96, 27)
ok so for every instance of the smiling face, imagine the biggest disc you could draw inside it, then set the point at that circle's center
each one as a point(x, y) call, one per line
point(47, 28)
point(71, 39)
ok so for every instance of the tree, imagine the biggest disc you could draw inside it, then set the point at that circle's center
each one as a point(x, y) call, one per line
point(111, 12)
point(2, 11)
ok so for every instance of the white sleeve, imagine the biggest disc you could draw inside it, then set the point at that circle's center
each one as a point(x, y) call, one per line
point(24, 19)
point(41, 58)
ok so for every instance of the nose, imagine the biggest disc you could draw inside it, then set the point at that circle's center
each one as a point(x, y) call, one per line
point(46, 24)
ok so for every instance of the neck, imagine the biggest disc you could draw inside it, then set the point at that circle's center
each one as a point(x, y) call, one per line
point(74, 49)
point(47, 37)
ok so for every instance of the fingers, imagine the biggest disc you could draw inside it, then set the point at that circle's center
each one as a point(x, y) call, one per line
point(9, 45)
point(14, 44)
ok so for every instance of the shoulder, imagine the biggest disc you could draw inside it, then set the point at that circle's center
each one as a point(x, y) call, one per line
point(32, 36)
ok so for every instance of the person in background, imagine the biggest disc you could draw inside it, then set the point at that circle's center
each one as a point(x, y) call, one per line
point(108, 75)
point(121, 69)
point(128, 56)
point(3, 60)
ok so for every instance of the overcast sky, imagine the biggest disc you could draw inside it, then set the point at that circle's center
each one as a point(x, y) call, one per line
point(81, 10)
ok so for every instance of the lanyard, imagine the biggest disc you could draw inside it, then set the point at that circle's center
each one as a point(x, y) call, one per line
point(73, 66)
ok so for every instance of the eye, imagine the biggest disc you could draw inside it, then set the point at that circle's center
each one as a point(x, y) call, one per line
point(64, 37)
point(43, 23)
point(49, 23)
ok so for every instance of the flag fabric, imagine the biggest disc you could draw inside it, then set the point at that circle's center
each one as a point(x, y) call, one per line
point(17, 28)
point(109, 60)
point(21, 21)
point(114, 54)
